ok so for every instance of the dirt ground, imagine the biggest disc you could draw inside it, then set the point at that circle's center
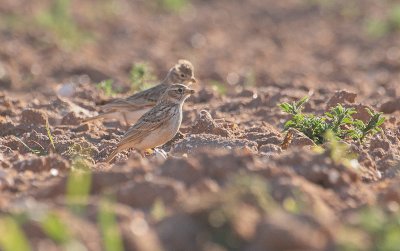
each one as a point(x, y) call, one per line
point(229, 184)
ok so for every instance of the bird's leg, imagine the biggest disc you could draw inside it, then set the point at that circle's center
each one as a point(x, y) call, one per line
point(125, 120)
point(142, 153)
point(148, 152)
point(161, 152)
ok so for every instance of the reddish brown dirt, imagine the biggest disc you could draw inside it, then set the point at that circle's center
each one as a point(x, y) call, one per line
point(229, 183)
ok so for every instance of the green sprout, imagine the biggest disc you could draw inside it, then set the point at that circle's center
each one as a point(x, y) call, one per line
point(55, 228)
point(250, 80)
point(295, 107)
point(390, 23)
point(371, 229)
point(219, 87)
point(339, 120)
point(49, 134)
point(78, 189)
point(362, 130)
point(173, 5)
point(338, 151)
point(109, 228)
point(158, 210)
point(12, 236)
point(34, 151)
point(141, 75)
point(107, 87)
point(60, 22)
point(339, 116)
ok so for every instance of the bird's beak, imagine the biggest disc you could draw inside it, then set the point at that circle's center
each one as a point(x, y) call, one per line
point(191, 91)
point(192, 81)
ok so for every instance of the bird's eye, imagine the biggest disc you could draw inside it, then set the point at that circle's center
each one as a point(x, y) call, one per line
point(182, 75)
point(180, 90)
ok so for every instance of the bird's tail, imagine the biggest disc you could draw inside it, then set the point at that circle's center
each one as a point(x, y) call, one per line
point(97, 117)
point(112, 155)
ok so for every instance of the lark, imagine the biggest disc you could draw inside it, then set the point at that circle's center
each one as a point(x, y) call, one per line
point(133, 107)
point(157, 126)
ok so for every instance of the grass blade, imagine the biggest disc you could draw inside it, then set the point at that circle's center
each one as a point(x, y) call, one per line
point(78, 188)
point(109, 229)
point(12, 238)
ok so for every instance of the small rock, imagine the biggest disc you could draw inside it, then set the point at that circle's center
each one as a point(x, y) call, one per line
point(378, 153)
point(4, 163)
point(270, 149)
point(206, 124)
point(362, 113)
point(389, 165)
point(6, 128)
point(205, 185)
point(33, 117)
point(40, 164)
point(390, 106)
point(299, 139)
point(71, 118)
point(275, 140)
point(341, 97)
point(82, 128)
point(185, 170)
point(183, 237)
point(143, 194)
point(198, 141)
point(67, 90)
point(378, 141)
point(282, 231)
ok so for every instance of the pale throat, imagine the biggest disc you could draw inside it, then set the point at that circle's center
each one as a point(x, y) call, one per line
point(171, 101)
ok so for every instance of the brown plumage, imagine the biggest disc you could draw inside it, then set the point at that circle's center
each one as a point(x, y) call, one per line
point(157, 126)
point(134, 106)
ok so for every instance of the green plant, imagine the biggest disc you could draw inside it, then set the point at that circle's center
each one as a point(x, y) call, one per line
point(340, 116)
point(81, 156)
point(49, 134)
point(42, 151)
point(295, 107)
point(141, 75)
point(173, 5)
point(158, 210)
point(11, 235)
point(388, 24)
point(362, 130)
point(78, 189)
point(80, 177)
point(55, 228)
point(109, 228)
point(250, 79)
point(320, 3)
point(338, 151)
point(243, 187)
point(376, 28)
point(107, 87)
point(339, 120)
point(60, 22)
point(394, 17)
point(219, 87)
point(34, 151)
point(374, 228)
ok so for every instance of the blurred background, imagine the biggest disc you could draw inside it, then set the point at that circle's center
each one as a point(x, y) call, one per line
point(313, 44)
point(254, 54)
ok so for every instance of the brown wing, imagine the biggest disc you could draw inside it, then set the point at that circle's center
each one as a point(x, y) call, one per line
point(140, 100)
point(150, 121)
